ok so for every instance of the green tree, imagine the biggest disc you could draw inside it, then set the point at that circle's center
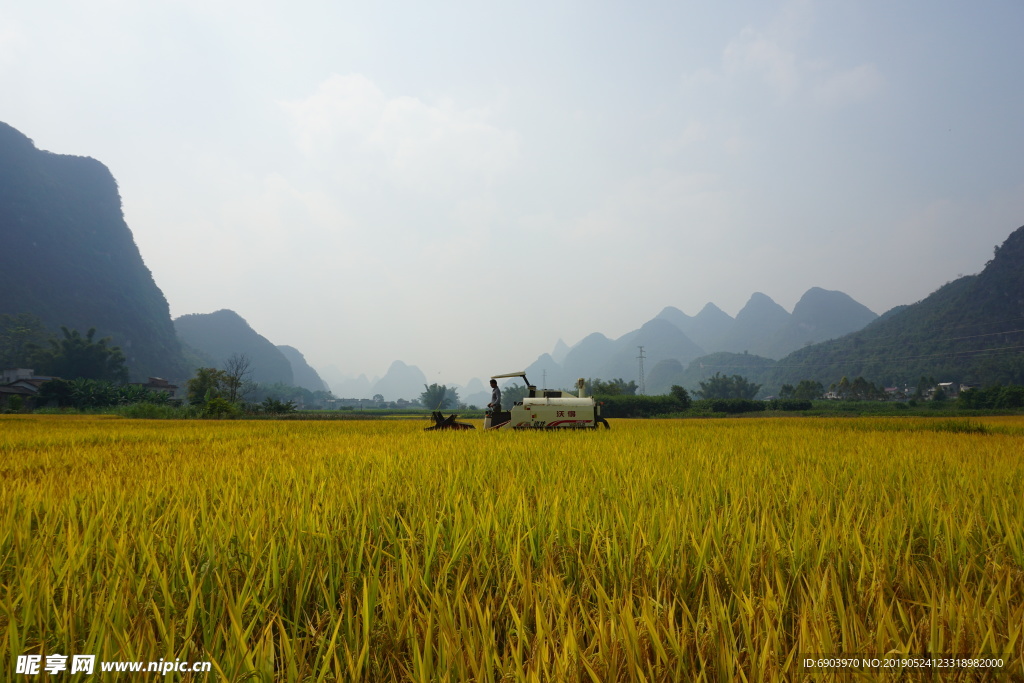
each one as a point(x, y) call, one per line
point(208, 383)
point(807, 390)
point(439, 397)
point(512, 394)
point(615, 387)
point(220, 407)
point(681, 396)
point(272, 406)
point(76, 356)
point(91, 393)
point(863, 390)
point(55, 392)
point(720, 386)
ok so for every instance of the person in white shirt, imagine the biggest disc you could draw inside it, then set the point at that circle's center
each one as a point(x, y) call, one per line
point(495, 405)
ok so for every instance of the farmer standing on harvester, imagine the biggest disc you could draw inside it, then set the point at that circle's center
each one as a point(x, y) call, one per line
point(495, 405)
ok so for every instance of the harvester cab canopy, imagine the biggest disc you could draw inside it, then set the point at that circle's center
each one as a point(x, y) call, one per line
point(531, 388)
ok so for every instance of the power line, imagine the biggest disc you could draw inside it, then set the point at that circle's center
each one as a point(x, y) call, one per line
point(870, 342)
point(946, 354)
point(976, 324)
point(872, 347)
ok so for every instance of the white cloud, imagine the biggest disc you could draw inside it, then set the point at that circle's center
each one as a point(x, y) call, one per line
point(694, 132)
point(420, 147)
point(658, 208)
point(771, 55)
point(754, 52)
point(12, 41)
point(736, 144)
point(849, 86)
point(340, 104)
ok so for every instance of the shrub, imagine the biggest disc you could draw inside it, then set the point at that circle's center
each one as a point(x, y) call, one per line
point(272, 406)
point(625, 405)
point(789, 404)
point(681, 396)
point(218, 407)
point(729, 405)
point(997, 397)
point(1010, 397)
point(153, 411)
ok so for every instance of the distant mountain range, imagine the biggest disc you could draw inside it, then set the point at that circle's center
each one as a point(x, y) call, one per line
point(970, 330)
point(670, 339)
point(764, 328)
point(400, 381)
point(826, 336)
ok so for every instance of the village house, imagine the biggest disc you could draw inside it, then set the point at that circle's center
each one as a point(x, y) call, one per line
point(158, 384)
point(21, 382)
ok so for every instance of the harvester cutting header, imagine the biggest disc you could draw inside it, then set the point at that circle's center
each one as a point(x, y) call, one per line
point(547, 409)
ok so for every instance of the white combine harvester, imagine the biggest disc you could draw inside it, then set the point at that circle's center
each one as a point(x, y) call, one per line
point(547, 409)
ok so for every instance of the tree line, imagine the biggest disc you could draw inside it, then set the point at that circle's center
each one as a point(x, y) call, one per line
point(94, 374)
point(26, 343)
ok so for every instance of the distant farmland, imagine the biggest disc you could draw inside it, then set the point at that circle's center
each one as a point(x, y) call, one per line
point(660, 550)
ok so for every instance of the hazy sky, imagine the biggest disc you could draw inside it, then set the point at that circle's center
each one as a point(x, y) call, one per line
point(459, 184)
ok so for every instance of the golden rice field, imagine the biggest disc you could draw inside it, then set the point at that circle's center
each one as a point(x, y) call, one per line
point(709, 550)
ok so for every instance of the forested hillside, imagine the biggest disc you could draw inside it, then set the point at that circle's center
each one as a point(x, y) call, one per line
point(303, 374)
point(218, 336)
point(971, 331)
point(71, 260)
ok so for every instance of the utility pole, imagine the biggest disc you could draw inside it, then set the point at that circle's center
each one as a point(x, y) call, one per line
point(641, 389)
point(544, 379)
